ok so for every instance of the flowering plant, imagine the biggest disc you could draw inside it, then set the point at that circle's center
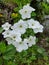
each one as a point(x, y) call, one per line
point(14, 33)
point(21, 37)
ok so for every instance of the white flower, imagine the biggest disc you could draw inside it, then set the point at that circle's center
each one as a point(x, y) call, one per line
point(21, 46)
point(15, 36)
point(21, 26)
point(47, 1)
point(6, 26)
point(26, 11)
point(6, 33)
point(32, 23)
point(35, 25)
point(10, 41)
point(31, 41)
point(25, 43)
point(38, 29)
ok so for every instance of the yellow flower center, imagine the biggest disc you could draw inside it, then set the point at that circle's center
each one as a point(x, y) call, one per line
point(7, 33)
point(20, 26)
point(30, 39)
point(32, 24)
point(6, 26)
point(14, 37)
point(25, 11)
point(20, 43)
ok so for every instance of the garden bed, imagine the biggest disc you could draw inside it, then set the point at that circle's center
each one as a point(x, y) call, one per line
point(12, 15)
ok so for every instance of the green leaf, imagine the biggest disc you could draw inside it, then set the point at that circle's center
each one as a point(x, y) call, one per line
point(10, 52)
point(2, 47)
point(41, 50)
point(45, 7)
point(11, 63)
point(33, 14)
point(33, 57)
point(45, 57)
point(1, 29)
point(1, 61)
point(16, 9)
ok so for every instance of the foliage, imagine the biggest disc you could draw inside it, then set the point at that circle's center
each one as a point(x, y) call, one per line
point(6, 52)
point(45, 8)
point(29, 56)
point(20, 3)
point(9, 56)
point(35, 55)
point(1, 29)
point(42, 8)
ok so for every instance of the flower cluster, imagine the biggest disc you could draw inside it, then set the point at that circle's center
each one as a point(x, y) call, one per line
point(13, 33)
